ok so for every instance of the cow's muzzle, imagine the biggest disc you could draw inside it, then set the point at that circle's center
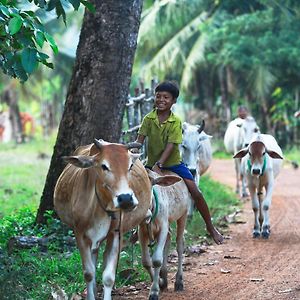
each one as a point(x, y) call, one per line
point(256, 171)
point(126, 201)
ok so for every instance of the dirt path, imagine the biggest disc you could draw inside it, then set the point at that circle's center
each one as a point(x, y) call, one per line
point(259, 269)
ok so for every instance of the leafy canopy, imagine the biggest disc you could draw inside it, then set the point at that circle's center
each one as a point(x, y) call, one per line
point(23, 35)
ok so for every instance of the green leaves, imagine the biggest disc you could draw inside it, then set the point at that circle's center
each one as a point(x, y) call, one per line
point(29, 60)
point(14, 25)
point(88, 5)
point(22, 33)
point(75, 4)
point(52, 43)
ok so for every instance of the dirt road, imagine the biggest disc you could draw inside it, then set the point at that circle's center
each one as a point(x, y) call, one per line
point(244, 268)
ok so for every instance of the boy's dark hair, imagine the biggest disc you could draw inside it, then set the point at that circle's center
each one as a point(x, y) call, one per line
point(168, 86)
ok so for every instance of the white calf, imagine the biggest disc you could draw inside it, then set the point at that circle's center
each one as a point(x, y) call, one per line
point(238, 134)
point(261, 166)
point(196, 149)
point(171, 205)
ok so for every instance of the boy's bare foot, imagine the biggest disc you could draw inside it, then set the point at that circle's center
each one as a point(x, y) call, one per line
point(216, 235)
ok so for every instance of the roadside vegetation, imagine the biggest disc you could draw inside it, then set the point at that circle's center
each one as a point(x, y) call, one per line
point(54, 263)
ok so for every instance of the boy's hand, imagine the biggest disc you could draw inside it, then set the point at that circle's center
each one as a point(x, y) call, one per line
point(157, 170)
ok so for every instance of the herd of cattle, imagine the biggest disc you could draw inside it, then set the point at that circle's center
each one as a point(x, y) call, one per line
point(105, 191)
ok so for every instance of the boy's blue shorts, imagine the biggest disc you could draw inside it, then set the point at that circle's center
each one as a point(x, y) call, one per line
point(181, 170)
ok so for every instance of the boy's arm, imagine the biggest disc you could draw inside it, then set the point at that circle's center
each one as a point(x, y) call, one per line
point(164, 156)
point(140, 139)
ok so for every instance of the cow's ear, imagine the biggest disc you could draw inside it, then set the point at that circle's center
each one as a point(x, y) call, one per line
point(274, 154)
point(166, 180)
point(241, 153)
point(80, 161)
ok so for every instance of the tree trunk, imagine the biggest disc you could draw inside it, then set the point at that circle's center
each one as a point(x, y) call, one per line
point(99, 84)
point(10, 98)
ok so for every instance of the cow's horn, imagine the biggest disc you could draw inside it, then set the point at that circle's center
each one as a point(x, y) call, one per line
point(98, 143)
point(133, 145)
point(201, 128)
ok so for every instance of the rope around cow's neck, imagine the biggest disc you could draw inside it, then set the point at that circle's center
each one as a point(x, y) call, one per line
point(109, 212)
point(263, 168)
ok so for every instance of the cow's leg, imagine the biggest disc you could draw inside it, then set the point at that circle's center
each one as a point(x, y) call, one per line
point(237, 164)
point(255, 208)
point(178, 286)
point(163, 283)
point(244, 186)
point(144, 242)
point(88, 266)
point(157, 259)
point(95, 253)
point(265, 210)
point(260, 199)
point(111, 255)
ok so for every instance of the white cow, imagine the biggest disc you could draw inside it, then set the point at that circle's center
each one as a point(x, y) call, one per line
point(238, 134)
point(171, 204)
point(195, 149)
point(261, 163)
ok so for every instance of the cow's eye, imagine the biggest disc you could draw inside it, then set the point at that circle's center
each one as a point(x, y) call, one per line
point(183, 146)
point(249, 154)
point(256, 130)
point(104, 167)
point(130, 168)
point(264, 153)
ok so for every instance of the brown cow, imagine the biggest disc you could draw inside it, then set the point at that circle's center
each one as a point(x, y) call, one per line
point(102, 193)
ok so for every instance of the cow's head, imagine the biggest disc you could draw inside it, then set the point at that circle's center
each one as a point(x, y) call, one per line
point(113, 164)
point(191, 146)
point(257, 159)
point(249, 130)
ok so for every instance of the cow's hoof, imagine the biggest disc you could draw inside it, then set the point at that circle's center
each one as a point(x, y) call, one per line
point(245, 195)
point(256, 235)
point(265, 234)
point(178, 286)
point(153, 297)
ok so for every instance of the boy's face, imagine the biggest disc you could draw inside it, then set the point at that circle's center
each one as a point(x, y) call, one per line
point(164, 101)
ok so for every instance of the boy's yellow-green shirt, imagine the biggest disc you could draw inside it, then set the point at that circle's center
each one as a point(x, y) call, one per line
point(159, 135)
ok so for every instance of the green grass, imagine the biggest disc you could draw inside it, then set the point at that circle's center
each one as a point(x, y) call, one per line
point(222, 155)
point(22, 174)
point(34, 273)
point(292, 154)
